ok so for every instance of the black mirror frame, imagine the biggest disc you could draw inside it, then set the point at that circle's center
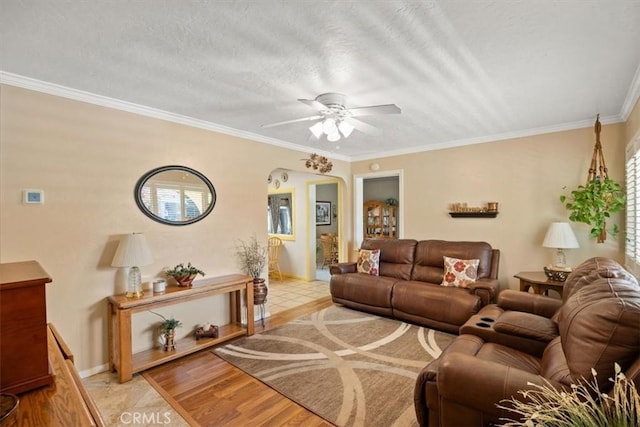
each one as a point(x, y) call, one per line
point(142, 181)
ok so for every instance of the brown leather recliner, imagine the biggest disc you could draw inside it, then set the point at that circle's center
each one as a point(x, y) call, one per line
point(597, 325)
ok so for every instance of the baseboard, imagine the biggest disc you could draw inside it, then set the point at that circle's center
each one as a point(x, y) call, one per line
point(93, 371)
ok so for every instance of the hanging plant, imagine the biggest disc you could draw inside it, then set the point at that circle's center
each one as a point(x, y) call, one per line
point(595, 202)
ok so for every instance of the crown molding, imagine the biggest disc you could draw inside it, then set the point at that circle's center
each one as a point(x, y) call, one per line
point(632, 96)
point(104, 101)
point(491, 138)
point(91, 98)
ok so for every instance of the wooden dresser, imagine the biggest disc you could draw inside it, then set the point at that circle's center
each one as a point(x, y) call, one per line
point(24, 362)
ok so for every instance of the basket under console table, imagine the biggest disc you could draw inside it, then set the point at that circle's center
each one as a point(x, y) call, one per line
point(121, 357)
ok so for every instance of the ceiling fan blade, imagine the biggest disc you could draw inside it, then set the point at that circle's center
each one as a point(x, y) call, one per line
point(375, 109)
point(363, 127)
point(314, 104)
point(286, 122)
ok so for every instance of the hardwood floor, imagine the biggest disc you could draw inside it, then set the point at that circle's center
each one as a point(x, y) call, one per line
point(211, 392)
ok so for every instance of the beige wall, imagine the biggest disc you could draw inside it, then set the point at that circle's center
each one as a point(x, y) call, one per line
point(526, 176)
point(87, 160)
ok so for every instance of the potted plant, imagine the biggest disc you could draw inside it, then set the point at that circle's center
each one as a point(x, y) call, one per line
point(167, 331)
point(184, 275)
point(594, 203)
point(252, 258)
point(583, 405)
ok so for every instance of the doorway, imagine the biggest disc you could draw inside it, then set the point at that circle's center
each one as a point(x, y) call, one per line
point(385, 186)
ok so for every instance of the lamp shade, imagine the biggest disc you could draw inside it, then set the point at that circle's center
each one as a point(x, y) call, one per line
point(560, 236)
point(133, 250)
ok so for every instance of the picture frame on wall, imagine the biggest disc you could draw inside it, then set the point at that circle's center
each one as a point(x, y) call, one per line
point(323, 213)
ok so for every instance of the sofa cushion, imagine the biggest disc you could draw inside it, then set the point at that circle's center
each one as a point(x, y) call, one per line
point(362, 288)
point(429, 259)
point(412, 300)
point(396, 256)
point(591, 270)
point(460, 272)
point(369, 261)
point(599, 325)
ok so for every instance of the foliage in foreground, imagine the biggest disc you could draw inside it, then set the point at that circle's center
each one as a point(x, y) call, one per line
point(584, 405)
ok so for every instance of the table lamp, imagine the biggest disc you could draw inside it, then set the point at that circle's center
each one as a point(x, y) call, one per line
point(560, 236)
point(133, 251)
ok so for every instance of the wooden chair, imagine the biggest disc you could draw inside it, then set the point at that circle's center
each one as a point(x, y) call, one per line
point(329, 244)
point(274, 248)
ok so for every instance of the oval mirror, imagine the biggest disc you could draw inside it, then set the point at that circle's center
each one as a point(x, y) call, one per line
point(175, 195)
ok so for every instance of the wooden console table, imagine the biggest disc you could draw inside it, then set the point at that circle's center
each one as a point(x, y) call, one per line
point(121, 357)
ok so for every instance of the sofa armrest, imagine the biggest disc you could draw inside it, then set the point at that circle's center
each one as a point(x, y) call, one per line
point(343, 268)
point(541, 305)
point(482, 385)
point(526, 325)
point(486, 289)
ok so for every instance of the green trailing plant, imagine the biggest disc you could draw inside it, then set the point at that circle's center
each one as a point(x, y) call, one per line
point(584, 405)
point(167, 324)
point(594, 203)
point(181, 270)
point(251, 256)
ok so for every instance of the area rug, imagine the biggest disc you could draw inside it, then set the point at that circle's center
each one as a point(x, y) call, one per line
point(350, 368)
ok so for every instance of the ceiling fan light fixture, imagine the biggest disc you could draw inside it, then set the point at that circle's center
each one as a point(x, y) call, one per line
point(329, 126)
point(345, 128)
point(333, 137)
point(316, 130)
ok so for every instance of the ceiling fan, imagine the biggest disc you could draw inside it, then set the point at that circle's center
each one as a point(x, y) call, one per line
point(334, 120)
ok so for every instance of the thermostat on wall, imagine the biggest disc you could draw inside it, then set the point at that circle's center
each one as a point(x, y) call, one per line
point(33, 197)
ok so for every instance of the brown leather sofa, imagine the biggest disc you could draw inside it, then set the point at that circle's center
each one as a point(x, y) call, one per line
point(408, 285)
point(597, 325)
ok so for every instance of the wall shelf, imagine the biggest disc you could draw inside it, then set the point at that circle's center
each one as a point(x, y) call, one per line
point(473, 214)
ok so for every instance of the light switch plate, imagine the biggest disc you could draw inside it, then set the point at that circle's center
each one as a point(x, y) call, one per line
point(33, 197)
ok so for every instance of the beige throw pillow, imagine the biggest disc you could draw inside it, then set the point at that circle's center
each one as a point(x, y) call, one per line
point(460, 272)
point(369, 261)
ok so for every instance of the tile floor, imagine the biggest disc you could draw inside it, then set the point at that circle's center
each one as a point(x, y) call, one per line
point(137, 403)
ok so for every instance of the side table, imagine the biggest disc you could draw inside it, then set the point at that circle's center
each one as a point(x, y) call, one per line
point(539, 282)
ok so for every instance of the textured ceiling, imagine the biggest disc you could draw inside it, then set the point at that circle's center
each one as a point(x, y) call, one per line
point(461, 71)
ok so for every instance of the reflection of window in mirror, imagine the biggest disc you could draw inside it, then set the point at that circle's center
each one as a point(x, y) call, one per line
point(175, 195)
point(280, 213)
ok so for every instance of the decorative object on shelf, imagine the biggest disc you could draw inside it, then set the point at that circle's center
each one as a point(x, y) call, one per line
point(285, 177)
point(461, 210)
point(206, 331)
point(276, 184)
point(269, 179)
point(391, 201)
point(318, 163)
point(159, 286)
point(544, 404)
point(252, 258)
point(560, 236)
point(323, 213)
point(184, 275)
point(594, 202)
point(133, 251)
point(168, 331)
point(557, 274)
